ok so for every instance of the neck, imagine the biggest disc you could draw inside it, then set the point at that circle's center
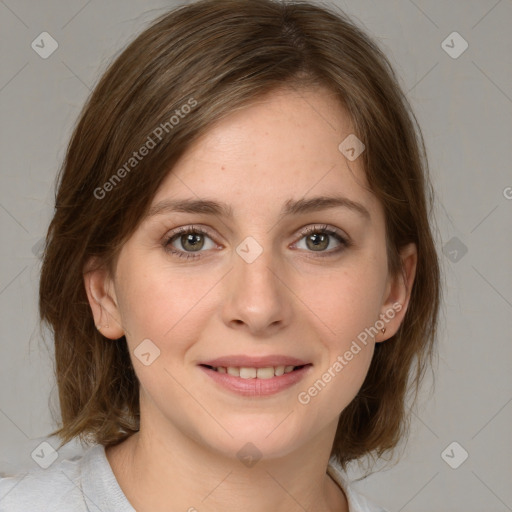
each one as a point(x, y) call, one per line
point(174, 472)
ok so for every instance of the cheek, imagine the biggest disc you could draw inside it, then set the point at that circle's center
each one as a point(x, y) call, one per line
point(344, 319)
point(164, 305)
point(344, 308)
point(166, 308)
point(345, 302)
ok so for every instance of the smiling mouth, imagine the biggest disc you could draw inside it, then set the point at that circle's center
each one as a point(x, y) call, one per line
point(244, 372)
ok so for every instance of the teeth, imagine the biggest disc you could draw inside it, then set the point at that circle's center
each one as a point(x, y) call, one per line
point(265, 373)
point(233, 371)
point(278, 371)
point(255, 373)
point(247, 373)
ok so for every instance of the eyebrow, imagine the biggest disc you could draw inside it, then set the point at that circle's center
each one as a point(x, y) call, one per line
point(290, 207)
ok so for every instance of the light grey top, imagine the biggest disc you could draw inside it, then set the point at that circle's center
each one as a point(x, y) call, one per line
point(86, 483)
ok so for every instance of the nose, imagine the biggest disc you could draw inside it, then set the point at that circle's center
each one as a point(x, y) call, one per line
point(257, 297)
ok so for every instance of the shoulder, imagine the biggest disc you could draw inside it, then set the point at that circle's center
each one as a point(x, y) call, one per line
point(57, 488)
point(41, 490)
point(356, 502)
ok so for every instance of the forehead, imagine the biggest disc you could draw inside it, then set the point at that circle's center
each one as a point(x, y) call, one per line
point(283, 146)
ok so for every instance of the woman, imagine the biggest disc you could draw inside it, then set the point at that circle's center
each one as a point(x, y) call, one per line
point(240, 272)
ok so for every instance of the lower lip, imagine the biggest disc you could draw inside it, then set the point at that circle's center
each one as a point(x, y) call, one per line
point(257, 387)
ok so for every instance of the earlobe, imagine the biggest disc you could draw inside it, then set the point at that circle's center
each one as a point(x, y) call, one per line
point(398, 292)
point(103, 302)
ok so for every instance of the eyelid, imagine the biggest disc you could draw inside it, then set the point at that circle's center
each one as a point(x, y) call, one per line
point(189, 227)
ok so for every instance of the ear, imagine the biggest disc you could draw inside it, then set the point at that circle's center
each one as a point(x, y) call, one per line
point(102, 299)
point(398, 293)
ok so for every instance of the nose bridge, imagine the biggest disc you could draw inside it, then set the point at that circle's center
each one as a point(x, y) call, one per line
point(254, 267)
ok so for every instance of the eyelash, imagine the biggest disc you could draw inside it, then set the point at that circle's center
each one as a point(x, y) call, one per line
point(322, 229)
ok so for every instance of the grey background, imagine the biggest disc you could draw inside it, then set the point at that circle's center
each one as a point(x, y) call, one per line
point(464, 106)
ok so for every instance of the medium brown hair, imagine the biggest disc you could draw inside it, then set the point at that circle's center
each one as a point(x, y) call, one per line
point(221, 55)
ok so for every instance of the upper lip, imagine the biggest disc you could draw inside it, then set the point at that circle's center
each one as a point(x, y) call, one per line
point(238, 361)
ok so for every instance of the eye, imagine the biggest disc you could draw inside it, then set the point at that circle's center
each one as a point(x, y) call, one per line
point(191, 239)
point(318, 238)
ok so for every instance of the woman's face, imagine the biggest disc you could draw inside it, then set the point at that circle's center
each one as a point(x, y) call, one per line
point(251, 287)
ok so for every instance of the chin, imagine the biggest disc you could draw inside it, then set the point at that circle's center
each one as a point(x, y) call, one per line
point(256, 437)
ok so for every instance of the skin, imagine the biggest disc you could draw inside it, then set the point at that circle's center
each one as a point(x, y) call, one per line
point(290, 300)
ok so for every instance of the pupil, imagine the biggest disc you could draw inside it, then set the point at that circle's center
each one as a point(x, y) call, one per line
point(190, 240)
point(318, 239)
